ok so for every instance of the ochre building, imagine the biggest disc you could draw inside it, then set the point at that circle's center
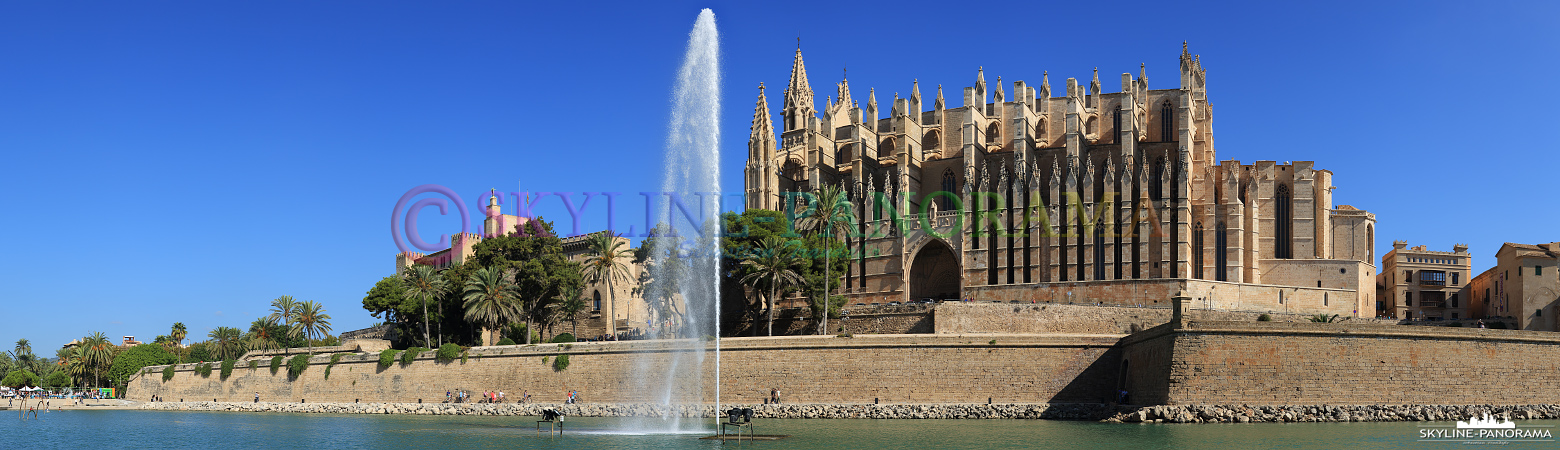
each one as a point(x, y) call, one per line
point(1074, 196)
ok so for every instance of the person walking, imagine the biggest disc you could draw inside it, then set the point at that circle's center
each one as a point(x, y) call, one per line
point(257, 397)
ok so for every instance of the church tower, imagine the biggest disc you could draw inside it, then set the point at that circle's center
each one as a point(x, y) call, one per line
point(761, 174)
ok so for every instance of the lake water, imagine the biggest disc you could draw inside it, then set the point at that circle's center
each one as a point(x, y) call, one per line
point(163, 429)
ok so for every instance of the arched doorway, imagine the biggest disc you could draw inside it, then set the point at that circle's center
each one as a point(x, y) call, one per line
point(934, 273)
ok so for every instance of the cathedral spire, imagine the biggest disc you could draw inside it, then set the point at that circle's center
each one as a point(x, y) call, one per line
point(872, 100)
point(798, 94)
point(939, 104)
point(1045, 85)
point(1000, 96)
point(1094, 86)
point(844, 91)
point(763, 127)
point(915, 92)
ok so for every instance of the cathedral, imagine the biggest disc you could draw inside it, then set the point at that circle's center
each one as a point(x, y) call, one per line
point(1077, 196)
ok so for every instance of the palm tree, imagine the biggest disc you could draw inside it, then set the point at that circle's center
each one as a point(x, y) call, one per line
point(24, 355)
point(833, 214)
point(606, 263)
point(492, 300)
point(570, 305)
point(225, 343)
point(773, 264)
point(75, 364)
point(284, 308)
point(310, 318)
point(423, 283)
point(178, 334)
point(260, 336)
point(97, 353)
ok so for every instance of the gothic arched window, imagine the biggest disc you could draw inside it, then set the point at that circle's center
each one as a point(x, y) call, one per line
point(839, 156)
point(1284, 226)
point(1197, 251)
point(886, 149)
point(1115, 125)
point(596, 305)
point(1040, 131)
point(1370, 243)
point(1166, 122)
point(992, 132)
point(949, 185)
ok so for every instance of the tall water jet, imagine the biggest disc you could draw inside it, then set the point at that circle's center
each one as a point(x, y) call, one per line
point(684, 287)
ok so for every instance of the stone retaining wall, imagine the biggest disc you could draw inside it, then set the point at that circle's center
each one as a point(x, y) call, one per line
point(813, 369)
point(1331, 413)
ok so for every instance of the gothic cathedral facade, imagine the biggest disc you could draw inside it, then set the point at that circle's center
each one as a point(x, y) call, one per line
point(1083, 197)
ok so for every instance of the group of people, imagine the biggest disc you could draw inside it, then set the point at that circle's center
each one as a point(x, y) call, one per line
point(461, 396)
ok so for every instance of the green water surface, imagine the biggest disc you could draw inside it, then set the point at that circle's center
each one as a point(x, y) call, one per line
point(73, 429)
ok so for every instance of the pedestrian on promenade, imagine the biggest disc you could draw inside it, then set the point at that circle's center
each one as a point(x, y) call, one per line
point(257, 397)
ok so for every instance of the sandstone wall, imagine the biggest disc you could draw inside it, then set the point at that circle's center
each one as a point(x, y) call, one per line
point(989, 317)
point(1305, 363)
point(807, 369)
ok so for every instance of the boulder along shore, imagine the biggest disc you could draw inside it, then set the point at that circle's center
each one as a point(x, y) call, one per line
point(1064, 411)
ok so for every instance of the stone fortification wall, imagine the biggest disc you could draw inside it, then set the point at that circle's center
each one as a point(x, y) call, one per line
point(807, 369)
point(865, 319)
point(990, 317)
point(1267, 363)
point(1215, 295)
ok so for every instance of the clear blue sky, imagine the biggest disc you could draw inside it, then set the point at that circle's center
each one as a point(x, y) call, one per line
point(191, 161)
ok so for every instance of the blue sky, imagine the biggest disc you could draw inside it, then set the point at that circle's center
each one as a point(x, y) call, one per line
point(191, 161)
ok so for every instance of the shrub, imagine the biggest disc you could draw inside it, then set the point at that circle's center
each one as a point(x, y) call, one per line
point(227, 368)
point(560, 363)
point(546, 359)
point(1264, 318)
point(561, 338)
point(463, 356)
point(386, 358)
point(448, 352)
point(336, 358)
point(253, 363)
point(506, 341)
point(296, 365)
point(168, 373)
point(993, 342)
point(204, 369)
point(276, 363)
point(1323, 318)
point(411, 354)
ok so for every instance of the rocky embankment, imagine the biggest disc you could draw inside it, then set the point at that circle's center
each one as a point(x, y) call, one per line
point(782, 411)
point(1147, 414)
point(1330, 413)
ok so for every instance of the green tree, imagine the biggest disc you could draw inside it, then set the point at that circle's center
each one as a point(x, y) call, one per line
point(225, 343)
point(311, 319)
point(535, 253)
point(492, 300)
point(741, 236)
point(24, 355)
point(664, 261)
point(262, 334)
point(178, 333)
point(98, 355)
point(199, 352)
point(570, 306)
point(76, 366)
point(284, 308)
point(131, 361)
point(57, 379)
point(773, 265)
point(19, 378)
point(608, 262)
point(388, 297)
point(832, 215)
point(424, 284)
